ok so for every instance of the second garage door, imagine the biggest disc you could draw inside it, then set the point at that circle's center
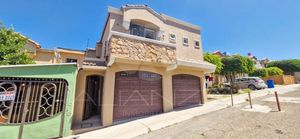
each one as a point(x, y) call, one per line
point(137, 93)
point(186, 90)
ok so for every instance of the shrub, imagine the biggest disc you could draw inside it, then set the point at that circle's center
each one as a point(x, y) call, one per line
point(265, 72)
point(259, 73)
point(288, 66)
point(274, 71)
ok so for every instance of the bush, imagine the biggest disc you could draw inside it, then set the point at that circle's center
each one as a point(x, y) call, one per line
point(288, 66)
point(265, 72)
point(259, 73)
point(274, 71)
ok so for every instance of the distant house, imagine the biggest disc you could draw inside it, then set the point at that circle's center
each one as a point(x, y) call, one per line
point(258, 64)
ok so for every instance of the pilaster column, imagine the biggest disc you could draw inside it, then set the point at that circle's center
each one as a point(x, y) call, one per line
point(167, 92)
point(108, 97)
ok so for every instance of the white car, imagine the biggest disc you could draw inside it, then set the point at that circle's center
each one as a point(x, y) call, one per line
point(252, 83)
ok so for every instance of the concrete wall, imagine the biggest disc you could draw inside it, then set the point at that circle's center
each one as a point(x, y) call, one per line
point(44, 57)
point(281, 79)
point(78, 56)
point(297, 77)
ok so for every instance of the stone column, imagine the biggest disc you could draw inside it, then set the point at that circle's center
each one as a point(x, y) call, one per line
point(203, 89)
point(108, 97)
point(167, 92)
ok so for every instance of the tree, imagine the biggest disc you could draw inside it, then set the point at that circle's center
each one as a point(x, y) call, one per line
point(236, 64)
point(265, 72)
point(288, 66)
point(10, 47)
point(213, 59)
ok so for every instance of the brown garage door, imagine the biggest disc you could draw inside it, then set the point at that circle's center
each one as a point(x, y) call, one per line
point(137, 93)
point(186, 90)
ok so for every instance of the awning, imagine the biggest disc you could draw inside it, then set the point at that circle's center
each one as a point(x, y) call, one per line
point(197, 65)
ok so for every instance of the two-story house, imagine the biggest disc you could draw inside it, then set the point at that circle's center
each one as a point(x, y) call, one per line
point(154, 64)
point(145, 63)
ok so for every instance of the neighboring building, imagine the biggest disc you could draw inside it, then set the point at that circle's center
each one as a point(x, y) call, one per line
point(145, 63)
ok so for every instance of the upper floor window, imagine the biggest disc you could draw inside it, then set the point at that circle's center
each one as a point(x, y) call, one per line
point(172, 37)
point(197, 44)
point(185, 41)
point(142, 31)
point(71, 60)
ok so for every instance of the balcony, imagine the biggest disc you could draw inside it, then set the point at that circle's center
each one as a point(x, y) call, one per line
point(127, 46)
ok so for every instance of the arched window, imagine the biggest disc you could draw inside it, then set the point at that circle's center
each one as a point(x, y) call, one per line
point(143, 29)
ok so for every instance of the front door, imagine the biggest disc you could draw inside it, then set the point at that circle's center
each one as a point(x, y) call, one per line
point(93, 96)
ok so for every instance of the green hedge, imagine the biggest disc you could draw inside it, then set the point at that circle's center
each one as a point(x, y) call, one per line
point(265, 72)
point(288, 66)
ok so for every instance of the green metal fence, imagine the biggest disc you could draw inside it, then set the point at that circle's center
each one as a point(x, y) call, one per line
point(36, 101)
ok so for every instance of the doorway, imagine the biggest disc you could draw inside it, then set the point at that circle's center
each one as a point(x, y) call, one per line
point(92, 103)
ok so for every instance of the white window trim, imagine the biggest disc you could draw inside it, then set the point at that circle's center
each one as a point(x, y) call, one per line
point(172, 39)
point(196, 45)
point(185, 44)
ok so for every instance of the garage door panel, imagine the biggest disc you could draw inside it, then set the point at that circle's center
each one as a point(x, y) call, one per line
point(186, 90)
point(141, 96)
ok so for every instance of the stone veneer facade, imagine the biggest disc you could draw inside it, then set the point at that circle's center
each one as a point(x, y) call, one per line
point(141, 51)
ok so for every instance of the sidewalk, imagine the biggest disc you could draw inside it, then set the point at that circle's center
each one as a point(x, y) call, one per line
point(145, 125)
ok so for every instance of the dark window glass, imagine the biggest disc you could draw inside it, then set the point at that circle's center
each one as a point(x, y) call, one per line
point(185, 40)
point(71, 60)
point(142, 31)
point(150, 34)
point(136, 30)
point(197, 43)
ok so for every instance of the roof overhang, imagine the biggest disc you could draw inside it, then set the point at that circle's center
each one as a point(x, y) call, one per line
point(202, 66)
point(193, 65)
point(38, 65)
point(94, 68)
point(114, 60)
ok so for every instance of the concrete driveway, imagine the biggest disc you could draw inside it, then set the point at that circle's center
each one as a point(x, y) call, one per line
point(215, 117)
point(263, 121)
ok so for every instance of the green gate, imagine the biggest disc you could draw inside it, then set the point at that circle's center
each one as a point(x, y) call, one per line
point(36, 101)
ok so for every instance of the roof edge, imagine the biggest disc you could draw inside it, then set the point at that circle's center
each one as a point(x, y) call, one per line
point(163, 16)
point(38, 65)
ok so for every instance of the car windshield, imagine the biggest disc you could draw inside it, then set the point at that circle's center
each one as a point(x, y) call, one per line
point(259, 80)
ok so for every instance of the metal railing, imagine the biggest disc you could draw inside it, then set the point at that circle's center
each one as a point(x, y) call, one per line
point(25, 100)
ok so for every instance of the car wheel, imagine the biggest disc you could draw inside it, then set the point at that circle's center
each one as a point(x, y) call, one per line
point(252, 87)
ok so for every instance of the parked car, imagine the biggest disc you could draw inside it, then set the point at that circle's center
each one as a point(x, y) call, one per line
point(252, 83)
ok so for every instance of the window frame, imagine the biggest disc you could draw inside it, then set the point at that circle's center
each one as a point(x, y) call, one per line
point(185, 44)
point(73, 59)
point(172, 39)
point(142, 31)
point(195, 41)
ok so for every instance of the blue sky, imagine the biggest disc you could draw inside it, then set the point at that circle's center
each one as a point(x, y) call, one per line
point(266, 28)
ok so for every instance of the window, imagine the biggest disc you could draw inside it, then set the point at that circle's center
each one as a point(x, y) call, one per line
point(141, 31)
point(197, 44)
point(150, 34)
point(185, 41)
point(71, 60)
point(172, 37)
